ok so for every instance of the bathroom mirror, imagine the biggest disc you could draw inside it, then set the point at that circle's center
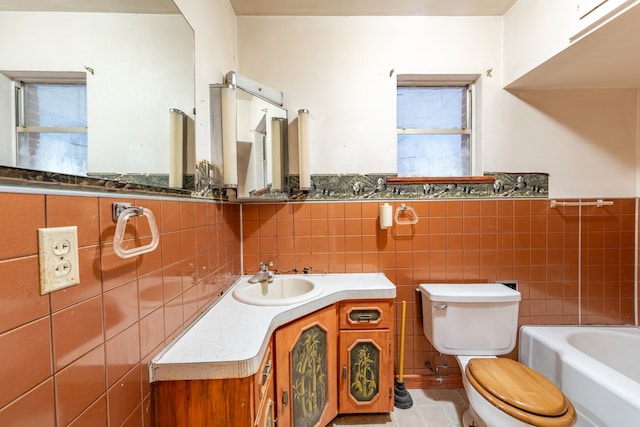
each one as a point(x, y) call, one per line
point(137, 62)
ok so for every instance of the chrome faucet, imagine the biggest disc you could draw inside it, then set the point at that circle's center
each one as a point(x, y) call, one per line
point(264, 275)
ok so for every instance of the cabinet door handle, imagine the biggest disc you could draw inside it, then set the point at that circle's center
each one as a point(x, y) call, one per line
point(266, 372)
point(285, 397)
point(344, 373)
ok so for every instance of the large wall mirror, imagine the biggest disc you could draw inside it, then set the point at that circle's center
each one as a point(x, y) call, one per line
point(131, 68)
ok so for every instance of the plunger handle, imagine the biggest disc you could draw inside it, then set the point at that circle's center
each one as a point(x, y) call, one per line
point(401, 362)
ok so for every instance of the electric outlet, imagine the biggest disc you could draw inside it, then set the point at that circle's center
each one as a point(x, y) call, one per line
point(58, 253)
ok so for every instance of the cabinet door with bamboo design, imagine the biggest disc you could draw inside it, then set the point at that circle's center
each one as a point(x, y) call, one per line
point(366, 372)
point(306, 374)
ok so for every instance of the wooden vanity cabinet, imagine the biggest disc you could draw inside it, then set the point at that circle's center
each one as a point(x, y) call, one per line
point(223, 402)
point(366, 356)
point(229, 402)
point(335, 360)
point(306, 374)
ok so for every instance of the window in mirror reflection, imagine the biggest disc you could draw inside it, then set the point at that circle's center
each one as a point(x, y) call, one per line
point(52, 127)
point(434, 131)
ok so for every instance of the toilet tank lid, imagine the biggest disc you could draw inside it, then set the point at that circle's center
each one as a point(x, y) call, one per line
point(469, 292)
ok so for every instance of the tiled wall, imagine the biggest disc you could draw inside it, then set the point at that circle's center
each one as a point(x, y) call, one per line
point(78, 356)
point(573, 265)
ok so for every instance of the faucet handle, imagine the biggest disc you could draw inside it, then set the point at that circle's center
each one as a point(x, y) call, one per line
point(265, 267)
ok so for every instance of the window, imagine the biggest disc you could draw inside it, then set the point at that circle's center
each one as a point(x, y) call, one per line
point(434, 127)
point(51, 129)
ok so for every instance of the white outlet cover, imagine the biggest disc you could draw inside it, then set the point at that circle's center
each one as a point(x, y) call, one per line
point(58, 254)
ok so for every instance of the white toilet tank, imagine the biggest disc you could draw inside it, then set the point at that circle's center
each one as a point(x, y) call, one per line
point(470, 319)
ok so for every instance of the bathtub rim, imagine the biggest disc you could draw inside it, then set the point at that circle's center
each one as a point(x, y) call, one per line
point(612, 382)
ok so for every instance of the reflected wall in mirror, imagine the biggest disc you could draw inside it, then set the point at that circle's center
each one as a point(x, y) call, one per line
point(261, 128)
point(136, 67)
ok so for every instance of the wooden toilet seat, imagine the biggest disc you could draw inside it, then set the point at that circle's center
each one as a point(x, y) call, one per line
point(520, 392)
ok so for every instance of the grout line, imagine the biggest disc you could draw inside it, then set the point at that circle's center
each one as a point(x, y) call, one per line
point(635, 261)
point(242, 240)
point(579, 264)
point(635, 264)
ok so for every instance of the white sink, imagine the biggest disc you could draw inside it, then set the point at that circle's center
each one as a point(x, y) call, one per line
point(284, 290)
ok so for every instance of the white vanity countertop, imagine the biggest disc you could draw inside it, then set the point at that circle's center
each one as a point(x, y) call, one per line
point(230, 339)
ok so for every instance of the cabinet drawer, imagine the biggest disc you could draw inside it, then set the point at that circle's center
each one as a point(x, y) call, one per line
point(262, 380)
point(373, 314)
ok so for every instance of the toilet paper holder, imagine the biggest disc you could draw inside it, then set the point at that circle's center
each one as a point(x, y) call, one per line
point(386, 216)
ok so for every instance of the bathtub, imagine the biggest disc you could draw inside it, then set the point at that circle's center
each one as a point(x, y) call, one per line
point(596, 367)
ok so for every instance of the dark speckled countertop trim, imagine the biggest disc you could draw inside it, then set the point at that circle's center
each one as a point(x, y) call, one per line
point(27, 177)
point(324, 187)
point(358, 187)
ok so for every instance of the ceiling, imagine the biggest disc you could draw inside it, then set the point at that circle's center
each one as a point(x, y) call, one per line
point(281, 7)
point(121, 6)
point(372, 7)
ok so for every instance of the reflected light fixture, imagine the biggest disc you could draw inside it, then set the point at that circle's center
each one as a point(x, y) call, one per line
point(303, 150)
point(277, 156)
point(176, 147)
point(229, 139)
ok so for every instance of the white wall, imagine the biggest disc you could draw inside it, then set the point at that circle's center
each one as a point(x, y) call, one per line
point(143, 67)
point(343, 69)
point(584, 139)
point(534, 31)
point(339, 68)
point(214, 25)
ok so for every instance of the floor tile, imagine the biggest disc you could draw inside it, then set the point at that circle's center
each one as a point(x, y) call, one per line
point(431, 408)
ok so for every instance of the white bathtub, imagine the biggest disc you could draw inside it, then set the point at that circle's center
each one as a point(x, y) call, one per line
point(596, 367)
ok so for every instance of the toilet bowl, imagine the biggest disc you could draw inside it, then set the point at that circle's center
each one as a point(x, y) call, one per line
point(475, 323)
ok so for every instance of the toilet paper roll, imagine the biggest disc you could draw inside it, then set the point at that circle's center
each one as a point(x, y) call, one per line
point(386, 216)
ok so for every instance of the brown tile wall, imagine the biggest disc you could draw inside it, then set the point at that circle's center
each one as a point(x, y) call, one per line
point(573, 266)
point(79, 356)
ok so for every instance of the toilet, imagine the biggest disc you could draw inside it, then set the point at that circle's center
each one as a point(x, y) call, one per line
point(476, 323)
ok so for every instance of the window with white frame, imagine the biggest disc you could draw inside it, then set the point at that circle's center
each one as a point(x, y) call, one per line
point(51, 126)
point(434, 125)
